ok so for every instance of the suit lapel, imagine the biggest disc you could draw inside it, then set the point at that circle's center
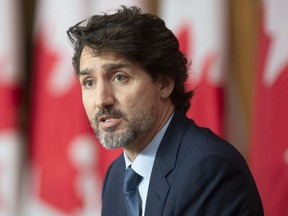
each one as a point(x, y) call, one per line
point(164, 164)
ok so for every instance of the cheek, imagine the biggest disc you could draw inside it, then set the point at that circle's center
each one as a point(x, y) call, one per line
point(88, 106)
point(143, 100)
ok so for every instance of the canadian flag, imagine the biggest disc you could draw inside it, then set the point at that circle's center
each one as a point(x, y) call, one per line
point(269, 150)
point(67, 162)
point(11, 139)
point(201, 29)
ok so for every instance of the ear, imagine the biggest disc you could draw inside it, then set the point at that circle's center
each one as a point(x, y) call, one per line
point(166, 86)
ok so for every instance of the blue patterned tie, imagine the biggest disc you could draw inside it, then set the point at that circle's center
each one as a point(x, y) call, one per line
point(131, 193)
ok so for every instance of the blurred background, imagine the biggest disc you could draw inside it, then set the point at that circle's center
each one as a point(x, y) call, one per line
point(50, 162)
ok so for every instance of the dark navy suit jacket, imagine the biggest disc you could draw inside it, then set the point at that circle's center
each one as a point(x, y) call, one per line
point(195, 173)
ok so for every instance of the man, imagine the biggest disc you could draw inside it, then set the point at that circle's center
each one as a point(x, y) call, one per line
point(132, 76)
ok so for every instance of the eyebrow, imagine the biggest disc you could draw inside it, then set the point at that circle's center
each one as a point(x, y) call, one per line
point(106, 68)
point(84, 72)
point(113, 66)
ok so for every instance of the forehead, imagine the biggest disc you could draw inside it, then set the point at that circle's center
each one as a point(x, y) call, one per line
point(89, 56)
point(105, 62)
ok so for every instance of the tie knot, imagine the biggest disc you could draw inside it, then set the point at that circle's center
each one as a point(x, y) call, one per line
point(131, 179)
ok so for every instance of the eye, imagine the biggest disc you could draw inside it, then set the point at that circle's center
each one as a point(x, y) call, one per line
point(88, 84)
point(120, 78)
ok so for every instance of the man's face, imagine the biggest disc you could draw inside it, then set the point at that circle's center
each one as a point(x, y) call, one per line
point(121, 100)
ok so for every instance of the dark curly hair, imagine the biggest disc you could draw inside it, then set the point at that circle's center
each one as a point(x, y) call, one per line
point(142, 38)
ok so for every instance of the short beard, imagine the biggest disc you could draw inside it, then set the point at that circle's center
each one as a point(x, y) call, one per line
point(137, 127)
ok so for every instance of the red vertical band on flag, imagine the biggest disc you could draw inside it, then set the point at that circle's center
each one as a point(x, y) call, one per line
point(269, 147)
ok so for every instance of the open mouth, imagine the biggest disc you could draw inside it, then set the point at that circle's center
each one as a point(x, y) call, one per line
point(107, 118)
point(109, 121)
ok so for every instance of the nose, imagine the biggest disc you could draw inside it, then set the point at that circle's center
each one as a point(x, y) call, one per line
point(104, 95)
